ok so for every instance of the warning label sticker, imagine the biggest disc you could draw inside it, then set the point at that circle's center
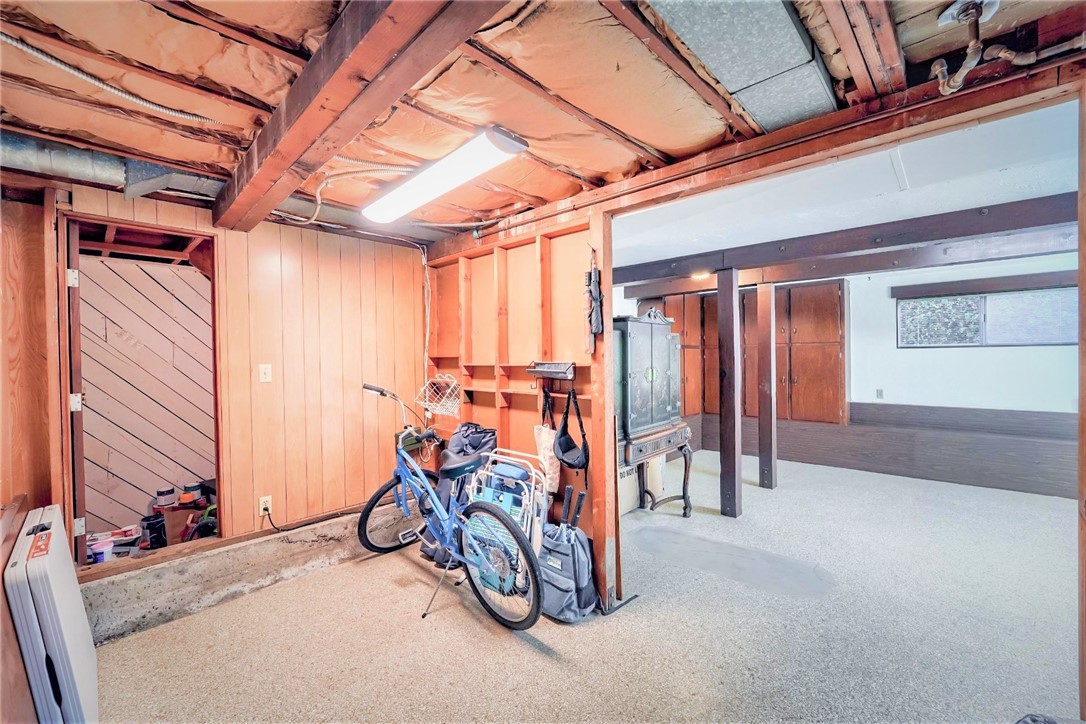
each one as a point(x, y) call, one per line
point(40, 546)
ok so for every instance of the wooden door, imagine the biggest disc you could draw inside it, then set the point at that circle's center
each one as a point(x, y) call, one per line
point(815, 313)
point(692, 382)
point(691, 335)
point(75, 356)
point(780, 315)
point(750, 380)
point(710, 357)
point(673, 310)
point(817, 382)
point(784, 409)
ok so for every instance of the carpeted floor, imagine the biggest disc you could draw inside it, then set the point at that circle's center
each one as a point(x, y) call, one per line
point(839, 596)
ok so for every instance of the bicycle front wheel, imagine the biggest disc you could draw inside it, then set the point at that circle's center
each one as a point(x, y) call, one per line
point(511, 593)
point(383, 527)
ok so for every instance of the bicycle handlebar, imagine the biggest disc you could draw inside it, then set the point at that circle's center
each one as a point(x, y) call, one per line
point(378, 390)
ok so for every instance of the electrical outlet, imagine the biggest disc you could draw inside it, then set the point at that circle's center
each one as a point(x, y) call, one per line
point(879, 394)
point(264, 505)
point(265, 373)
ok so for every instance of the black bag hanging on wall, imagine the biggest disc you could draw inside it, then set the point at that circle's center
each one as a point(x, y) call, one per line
point(568, 452)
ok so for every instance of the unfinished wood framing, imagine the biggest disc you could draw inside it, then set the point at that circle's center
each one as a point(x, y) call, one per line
point(999, 90)
point(534, 285)
point(767, 386)
point(649, 156)
point(391, 45)
point(626, 12)
point(729, 345)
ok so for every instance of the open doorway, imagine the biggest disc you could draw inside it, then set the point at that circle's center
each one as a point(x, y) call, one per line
point(142, 354)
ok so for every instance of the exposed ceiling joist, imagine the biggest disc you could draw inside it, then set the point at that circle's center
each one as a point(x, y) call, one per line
point(1015, 245)
point(193, 243)
point(47, 42)
point(147, 251)
point(626, 12)
point(996, 219)
point(184, 11)
point(407, 104)
point(383, 47)
point(850, 48)
point(158, 123)
point(650, 156)
point(876, 35)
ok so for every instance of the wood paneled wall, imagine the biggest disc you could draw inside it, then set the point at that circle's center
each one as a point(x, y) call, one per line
point(327, 312)
point(149, 415)
point(24, 422)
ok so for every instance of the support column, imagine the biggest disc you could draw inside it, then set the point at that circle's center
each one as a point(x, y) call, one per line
point(1082, 405)
point(767, 387)
point(731, 451)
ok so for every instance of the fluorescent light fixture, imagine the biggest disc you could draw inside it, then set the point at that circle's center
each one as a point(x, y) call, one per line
point(489, 149)
point(698, 276)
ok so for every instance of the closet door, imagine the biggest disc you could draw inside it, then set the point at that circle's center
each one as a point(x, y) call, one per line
point(711, 359)
point(817, 371)
point(816, 376)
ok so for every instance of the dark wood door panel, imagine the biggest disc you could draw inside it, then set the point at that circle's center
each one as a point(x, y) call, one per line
point(781, 314)
point(748, 322)
point(783, 378)
point(817, 383)
point(815, 313)
point(692, 381)
point(709, 322)
point(711, 379)
point(673, 310)
point(691, 334)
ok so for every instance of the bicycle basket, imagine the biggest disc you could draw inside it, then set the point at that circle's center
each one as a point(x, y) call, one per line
point(440, 396)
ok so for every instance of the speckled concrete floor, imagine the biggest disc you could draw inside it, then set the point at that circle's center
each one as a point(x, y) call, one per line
point(947, 603)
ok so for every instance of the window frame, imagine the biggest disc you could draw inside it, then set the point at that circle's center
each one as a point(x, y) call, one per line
point(984, 343)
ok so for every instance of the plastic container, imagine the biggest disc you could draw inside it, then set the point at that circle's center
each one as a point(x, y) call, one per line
point(102, 551)
point(166, 497)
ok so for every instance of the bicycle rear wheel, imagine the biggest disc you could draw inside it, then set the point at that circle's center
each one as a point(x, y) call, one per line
point(382, 526)
point(513, 596)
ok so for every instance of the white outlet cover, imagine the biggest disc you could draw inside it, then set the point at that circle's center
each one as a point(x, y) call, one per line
point(265, 373)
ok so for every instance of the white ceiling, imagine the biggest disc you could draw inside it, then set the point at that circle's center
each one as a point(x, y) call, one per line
point(1021, 157)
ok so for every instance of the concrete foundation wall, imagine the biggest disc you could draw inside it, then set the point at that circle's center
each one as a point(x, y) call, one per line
point(138, 600)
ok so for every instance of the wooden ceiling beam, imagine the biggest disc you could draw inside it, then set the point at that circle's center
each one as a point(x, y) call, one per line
point(876, 35)
point(452, 122)
point(48, 43)
point(626, 12)
point(967, 223)
point(1016, 245)
point(374, 53)
point(186, 12)
point(193, 243)
point(841, 26)
point(504, 69)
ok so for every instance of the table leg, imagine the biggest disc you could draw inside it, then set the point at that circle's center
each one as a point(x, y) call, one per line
point(642, 485)
point(688, 454)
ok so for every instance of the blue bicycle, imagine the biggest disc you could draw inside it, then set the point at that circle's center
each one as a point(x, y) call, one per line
point(501, 566)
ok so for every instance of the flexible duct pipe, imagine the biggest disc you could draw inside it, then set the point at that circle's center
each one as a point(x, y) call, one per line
point(98, 82)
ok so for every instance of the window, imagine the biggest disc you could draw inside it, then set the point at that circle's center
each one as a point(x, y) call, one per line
point(1038, 317)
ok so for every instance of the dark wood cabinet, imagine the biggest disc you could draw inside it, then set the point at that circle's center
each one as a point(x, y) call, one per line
point(810, 364)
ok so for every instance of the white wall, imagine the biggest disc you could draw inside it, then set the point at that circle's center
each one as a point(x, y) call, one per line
point(1007, 378)
point(620, 306)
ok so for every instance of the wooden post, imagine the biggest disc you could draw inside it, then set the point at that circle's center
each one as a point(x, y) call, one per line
point(1082, 405)
point(731, 449)
point(767, 387)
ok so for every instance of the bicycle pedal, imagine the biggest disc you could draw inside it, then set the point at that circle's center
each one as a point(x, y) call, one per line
point(408, 536)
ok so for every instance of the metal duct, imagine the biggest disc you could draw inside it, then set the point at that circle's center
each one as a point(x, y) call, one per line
point(30, 155)
point(760, 52)
point(139, 178)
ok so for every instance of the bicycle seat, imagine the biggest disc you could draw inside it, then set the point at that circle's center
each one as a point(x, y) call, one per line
point(454, 466)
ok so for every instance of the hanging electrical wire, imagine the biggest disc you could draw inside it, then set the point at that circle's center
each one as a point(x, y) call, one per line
point(98, 82)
